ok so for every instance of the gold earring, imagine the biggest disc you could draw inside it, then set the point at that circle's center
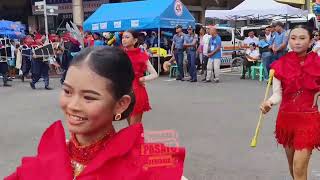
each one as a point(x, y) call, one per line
point(117, 117)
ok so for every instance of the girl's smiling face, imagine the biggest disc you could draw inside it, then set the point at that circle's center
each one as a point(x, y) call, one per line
point(87, 101)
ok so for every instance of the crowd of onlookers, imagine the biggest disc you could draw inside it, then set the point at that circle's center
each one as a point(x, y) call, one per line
point(193, 53)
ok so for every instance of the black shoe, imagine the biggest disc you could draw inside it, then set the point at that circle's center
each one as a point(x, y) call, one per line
point(32, 86)
point(22, 78)
point(6, 85)
point(9, 79)
point(242, 77)
point(204, 79)
point(207, 81)
point(194, 80)
point(48, 88)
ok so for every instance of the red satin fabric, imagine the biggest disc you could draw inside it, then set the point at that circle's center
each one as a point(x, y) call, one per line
point(124, 158)
point(139, 62)
point(298, 122)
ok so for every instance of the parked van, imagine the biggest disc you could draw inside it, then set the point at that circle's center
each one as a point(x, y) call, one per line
point(231, 44)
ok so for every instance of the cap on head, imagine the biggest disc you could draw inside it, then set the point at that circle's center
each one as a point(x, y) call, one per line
point(178, 27)
point(190, 27)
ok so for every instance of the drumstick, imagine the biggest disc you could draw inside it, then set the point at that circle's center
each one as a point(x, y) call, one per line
point(255, 137)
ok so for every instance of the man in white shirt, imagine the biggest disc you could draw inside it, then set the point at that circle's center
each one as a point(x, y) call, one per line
point(252, 55)
point(250, 39)
point(206, 40)
point(12, 61)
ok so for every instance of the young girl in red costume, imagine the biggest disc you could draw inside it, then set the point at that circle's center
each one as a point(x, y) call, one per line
point(141, 65)
point(296, 84)
point(96, 91)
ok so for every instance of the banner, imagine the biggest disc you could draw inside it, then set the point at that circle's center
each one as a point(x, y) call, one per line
point(58, 1)
point(65, 6)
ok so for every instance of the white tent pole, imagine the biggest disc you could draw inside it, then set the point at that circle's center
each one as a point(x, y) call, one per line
point(287, 26)
point(234, 37)
point(159, 66)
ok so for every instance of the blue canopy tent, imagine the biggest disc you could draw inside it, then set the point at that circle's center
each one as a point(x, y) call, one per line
point(140, 15)
point(12, 34)
point(143, 15)
point(10, 29)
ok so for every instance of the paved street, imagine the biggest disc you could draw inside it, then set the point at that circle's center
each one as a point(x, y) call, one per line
point(215, 123)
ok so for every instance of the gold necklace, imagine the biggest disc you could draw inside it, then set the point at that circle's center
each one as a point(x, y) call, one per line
point(77, 168)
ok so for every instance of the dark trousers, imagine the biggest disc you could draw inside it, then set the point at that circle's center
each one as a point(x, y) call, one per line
point(191, 56)
point(274, 58)
point(3, 71)
point(266, 60)
point(26, 66)
point(40, 69)
point(178, 55)
point(65, 63)
point(204, 65)
point(247, 67)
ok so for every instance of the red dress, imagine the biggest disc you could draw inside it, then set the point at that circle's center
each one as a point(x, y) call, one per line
point(298, 121)
point(139, 62)
point(125, 157)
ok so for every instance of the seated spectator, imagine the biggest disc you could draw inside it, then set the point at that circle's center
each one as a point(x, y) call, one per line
point(252, 55)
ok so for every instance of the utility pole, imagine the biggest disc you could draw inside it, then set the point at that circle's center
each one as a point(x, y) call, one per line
point(77, 9)
point(45, 20)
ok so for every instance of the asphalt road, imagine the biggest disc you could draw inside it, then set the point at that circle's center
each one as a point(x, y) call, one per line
point(215, 123)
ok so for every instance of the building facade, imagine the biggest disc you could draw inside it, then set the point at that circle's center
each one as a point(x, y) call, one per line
point(24, 10)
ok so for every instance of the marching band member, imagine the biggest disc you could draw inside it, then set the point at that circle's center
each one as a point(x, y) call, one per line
point(141, 64)
point(4, 66)
point(39, 68)
point(26, 61)
point(71, 45)
point(296, 86)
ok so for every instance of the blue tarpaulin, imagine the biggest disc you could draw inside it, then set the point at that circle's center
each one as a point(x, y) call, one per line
point(12, 29)
point(149, 14)
point(12, 34)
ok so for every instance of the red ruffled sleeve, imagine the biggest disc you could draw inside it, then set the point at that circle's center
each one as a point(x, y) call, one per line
point(312, 69)
point(288, 70)
point(279, 69)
